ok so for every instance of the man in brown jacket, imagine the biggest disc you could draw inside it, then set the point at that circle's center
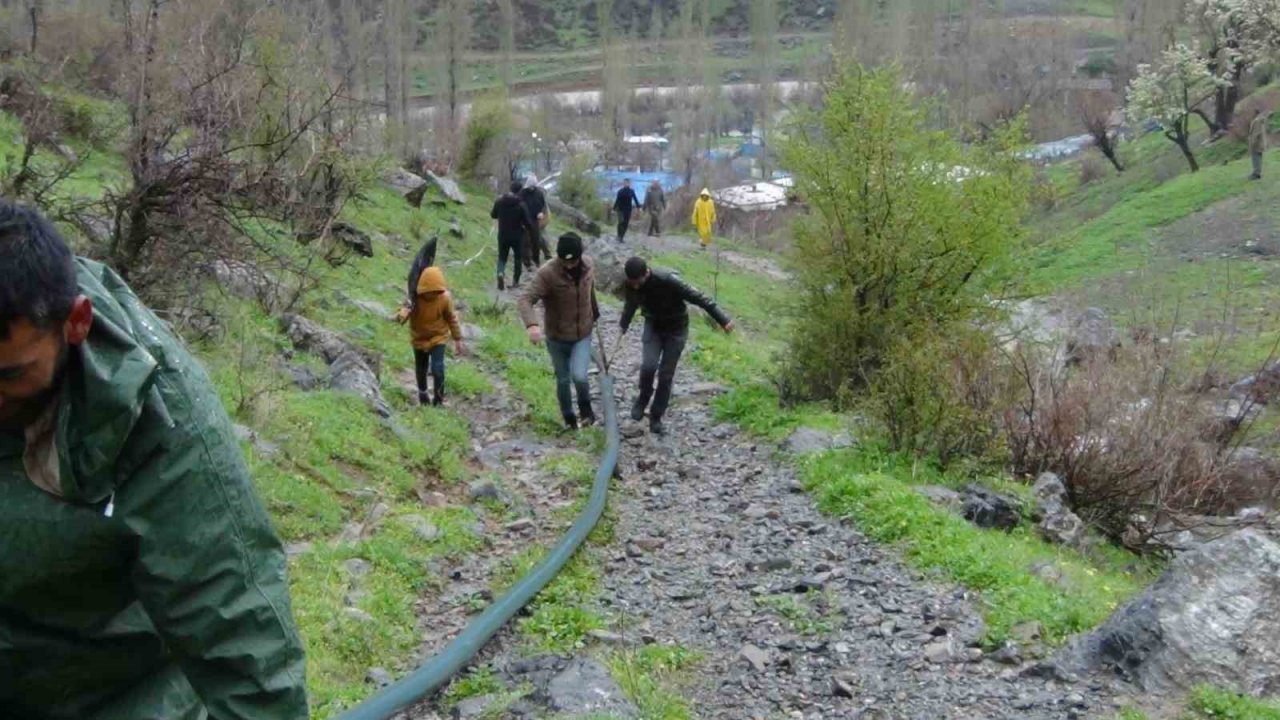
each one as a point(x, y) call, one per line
point(566, 288)
point(1257, 141)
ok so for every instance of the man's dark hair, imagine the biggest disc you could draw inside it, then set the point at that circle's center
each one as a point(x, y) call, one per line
point(516, 187)
point(37, 271)
point(636, 268)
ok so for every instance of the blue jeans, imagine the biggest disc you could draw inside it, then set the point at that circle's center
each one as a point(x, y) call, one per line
point(571, 360)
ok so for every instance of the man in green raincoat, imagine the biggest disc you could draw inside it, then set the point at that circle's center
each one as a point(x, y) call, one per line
point(140, 578)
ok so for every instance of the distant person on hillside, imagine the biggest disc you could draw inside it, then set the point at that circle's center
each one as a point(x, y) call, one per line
point(432, 320)
point(535, 201)
point(704, 217)
point(513, 222)
point(1258, 141)
point(625, 202)
point(140, 576)
point(566, 287)
point(664, 299)
point(655, 203)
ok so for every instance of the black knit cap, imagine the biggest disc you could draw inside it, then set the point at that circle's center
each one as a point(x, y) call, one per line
point(569, 247)
point(636, 268)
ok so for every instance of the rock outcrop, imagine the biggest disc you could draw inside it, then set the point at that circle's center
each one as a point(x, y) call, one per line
point(1212, 618)
point(580, 220)
point(351, 368)
point(407, 185)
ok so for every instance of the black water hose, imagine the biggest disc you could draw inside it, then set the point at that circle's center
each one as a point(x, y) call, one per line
point(456, 655)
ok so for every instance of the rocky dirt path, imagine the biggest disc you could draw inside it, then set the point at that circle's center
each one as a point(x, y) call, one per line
point(797, 614)
point(718, 549)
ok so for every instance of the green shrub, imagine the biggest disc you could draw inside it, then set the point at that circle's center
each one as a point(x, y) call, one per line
point(908, 230)
point(940, 395)
point(577, 189)
point(488, 131)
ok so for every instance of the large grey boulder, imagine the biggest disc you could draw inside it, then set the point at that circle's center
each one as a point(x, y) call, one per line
point(586, 688)
point(1092, 337)
point(810, 440)
point(989, 509)
point(407, 185)
point(580, 220)
point(351, 368)
point(1058, 524)
point(448, 187)
point(610, 266)
point(1213, 618)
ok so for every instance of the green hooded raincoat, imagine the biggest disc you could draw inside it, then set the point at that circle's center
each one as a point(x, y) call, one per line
point(144, 582)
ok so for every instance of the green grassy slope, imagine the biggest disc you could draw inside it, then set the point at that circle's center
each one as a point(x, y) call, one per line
point(1166, 250)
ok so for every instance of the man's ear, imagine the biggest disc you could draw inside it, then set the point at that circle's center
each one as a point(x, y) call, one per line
point(78, 323)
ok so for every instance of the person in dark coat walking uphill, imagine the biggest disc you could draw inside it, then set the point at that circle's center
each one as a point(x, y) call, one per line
point(655, 203)
point(140, 576)
point(535, 201)
point(664, 298)
point(566, 287)
point(513, 222)
point(625, 202)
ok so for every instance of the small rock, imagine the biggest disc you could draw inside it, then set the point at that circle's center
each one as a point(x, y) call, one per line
point(473, 707)
point(422, 527)
point(357, 567)
point(379, 677)
point(757, 658)
point(844, 685)
point(1027, 632)
point(942, 652)
point(520, 525)
point(1006, 655)
point(358, 615)
point(484, 490)
point(776, 563)
point(455, 229)
point(606, 637)
point(472, 333)
point(586, 687)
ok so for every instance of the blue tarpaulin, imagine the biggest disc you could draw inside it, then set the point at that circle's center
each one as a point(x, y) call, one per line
point(608, 182)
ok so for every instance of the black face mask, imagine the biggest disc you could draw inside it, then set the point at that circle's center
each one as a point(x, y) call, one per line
point(575, 272)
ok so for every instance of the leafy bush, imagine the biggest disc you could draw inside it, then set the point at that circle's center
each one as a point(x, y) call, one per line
point(941, 396)
point(909, 231)
point(577, 189)
point(486, 136)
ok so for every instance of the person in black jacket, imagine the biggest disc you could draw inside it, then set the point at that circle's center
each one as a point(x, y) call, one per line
point(623, 205)
point(535, 201)
point(663, 297)
point(513, 221)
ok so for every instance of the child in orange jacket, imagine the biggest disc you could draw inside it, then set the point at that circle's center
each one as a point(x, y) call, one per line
point(432, 320)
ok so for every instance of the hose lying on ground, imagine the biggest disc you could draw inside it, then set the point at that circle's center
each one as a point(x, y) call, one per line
point(437, 671)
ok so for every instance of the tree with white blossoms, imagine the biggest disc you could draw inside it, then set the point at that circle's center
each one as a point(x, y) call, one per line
point(1170, 91)
point(1235, 35)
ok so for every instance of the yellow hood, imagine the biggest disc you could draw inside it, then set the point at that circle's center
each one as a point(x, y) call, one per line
point(431, 280)
point(705, 193)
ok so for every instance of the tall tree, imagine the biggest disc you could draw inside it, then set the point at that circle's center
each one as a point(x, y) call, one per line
point(686, 145)
point(1170, 91)
point(452, 40)
point(764, 33)
point(507, 40)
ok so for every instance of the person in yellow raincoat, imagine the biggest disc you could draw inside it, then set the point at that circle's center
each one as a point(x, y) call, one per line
point(704, 217)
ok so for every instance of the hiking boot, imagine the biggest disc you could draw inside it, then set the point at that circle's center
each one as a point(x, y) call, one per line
point(502, 283)
point(657, 428)
point(637, 410)
point(570, 422)
point(588, 420)
point(423, 399)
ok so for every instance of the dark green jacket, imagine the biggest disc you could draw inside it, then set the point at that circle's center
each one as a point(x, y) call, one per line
point(152, 586)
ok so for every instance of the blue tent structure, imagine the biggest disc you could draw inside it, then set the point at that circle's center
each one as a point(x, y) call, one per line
point(608, 182)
